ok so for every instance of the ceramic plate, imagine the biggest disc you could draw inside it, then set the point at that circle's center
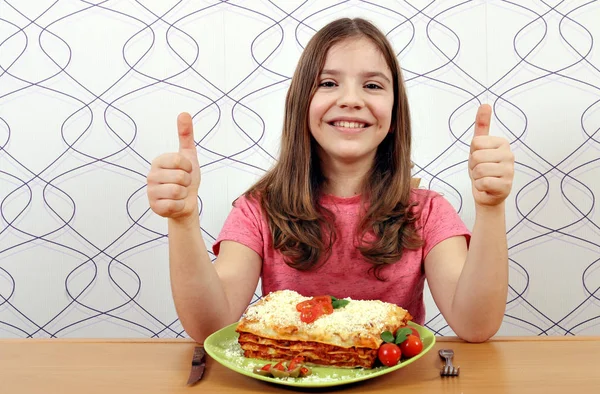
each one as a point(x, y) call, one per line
point(224, 348)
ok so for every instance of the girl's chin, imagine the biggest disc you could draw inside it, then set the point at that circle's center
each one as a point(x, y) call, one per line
point(350, 157)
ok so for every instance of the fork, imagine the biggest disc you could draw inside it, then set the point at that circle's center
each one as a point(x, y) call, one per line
point(448, 369)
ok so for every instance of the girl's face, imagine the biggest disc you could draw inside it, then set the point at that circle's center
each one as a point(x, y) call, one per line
point(351, 111)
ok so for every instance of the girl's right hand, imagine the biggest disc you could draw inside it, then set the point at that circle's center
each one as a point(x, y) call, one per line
point(174, 178)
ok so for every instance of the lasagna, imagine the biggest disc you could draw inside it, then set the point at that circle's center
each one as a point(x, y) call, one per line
point(348, 336)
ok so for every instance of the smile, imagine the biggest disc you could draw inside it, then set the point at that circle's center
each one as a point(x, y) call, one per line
point(349, 125)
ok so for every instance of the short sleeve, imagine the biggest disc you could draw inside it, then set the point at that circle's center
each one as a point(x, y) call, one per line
point(440, 221)
point(243, 225)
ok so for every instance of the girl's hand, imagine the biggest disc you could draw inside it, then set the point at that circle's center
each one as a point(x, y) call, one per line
point(491, 162)
point(174, 178)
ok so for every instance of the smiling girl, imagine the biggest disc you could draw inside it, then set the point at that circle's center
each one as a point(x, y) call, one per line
point(337, 215)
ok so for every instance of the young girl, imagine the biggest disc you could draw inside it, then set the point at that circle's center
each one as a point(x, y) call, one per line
point(337, 214)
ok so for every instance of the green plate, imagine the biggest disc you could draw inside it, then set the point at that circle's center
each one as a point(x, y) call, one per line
point(224, 348)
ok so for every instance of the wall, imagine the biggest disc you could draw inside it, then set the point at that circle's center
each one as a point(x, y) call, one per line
point(89, 93)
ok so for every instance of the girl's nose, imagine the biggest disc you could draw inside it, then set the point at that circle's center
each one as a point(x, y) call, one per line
point(350, 98)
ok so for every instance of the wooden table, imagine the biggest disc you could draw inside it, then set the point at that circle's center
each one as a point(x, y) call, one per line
point(503, 365)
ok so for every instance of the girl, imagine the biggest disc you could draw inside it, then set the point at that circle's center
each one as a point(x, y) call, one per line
point(337, 214)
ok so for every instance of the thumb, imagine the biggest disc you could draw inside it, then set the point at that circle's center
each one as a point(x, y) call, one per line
point(482, 120)
point(185, 130)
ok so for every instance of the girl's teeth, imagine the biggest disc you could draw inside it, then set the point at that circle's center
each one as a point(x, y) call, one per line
point(349, 125)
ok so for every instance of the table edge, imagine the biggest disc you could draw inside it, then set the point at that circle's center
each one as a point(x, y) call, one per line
point(192, 342)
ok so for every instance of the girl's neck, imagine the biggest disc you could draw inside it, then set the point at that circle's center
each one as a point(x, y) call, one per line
point(343, 179)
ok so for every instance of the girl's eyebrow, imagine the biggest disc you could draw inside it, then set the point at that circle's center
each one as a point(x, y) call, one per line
point(366, 74)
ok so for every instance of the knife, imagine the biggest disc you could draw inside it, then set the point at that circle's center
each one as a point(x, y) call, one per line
point(198, 364)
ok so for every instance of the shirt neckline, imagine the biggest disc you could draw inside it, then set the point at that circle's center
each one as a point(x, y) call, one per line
point(330, 198)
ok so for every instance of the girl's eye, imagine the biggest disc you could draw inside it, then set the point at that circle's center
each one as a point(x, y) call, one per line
point(327, 84)
point(373, 86)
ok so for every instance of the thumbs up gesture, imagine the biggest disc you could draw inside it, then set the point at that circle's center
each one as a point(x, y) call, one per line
point(174, 178)
point(491, 162)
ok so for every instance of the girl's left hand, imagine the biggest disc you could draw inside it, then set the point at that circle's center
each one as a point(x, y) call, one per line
point(491, 162)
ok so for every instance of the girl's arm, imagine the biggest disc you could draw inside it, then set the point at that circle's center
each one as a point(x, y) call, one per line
point(470, 286)
point(207, 297)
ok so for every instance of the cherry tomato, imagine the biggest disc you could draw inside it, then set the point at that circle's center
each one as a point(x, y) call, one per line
point(415, 332)
point(322, 299)
point(412, 329)
point(279, 366)
point(411, 346)
point(311, 310)
point(310, 315)
point(295, 362)
point(389, 354)
point(324, 304)
point(305, 371)
point(326, 308)
point(305, 305)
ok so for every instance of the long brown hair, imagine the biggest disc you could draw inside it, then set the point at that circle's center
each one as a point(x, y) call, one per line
point(301, 228)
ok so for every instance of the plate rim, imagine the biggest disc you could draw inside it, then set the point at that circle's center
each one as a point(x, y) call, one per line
point(310, 384)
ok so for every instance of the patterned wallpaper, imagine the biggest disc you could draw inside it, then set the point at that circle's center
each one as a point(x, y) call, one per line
point(89, 93)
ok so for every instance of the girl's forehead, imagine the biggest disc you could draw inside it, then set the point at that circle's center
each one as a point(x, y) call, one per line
point(356, 53)
point(353, 44)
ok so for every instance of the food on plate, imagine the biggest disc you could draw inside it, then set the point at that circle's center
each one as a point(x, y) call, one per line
point(294, 369)
point(411, 346)
point(323, 330)
point(406, 343)
point(389, 354)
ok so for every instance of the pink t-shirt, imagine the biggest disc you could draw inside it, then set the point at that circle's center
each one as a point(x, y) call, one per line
point(345, 274)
